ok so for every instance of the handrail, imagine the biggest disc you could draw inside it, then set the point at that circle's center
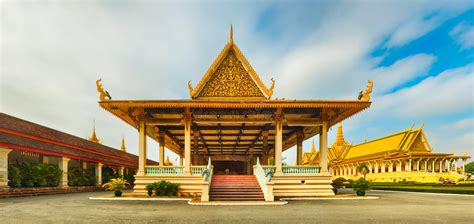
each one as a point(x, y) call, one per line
point(207, 172)
point(263, 175)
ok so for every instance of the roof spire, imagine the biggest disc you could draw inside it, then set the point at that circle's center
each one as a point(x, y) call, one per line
point(313, 147)
point(340, 135)
point(122, 148)
point(231, 40)
point(93, 137)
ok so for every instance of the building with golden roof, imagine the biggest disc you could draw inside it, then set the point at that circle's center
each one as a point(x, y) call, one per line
point(405, 155)
point(232, 118)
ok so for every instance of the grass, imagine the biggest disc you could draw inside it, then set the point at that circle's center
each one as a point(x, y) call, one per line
point(450, 189)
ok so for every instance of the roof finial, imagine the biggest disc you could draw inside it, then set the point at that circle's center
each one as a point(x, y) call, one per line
point(313, 147)
point(231, 40)
point(122, 147)
point(93, 137)
point(340, 135)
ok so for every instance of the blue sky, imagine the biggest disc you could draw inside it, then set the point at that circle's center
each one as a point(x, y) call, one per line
point(418, 53)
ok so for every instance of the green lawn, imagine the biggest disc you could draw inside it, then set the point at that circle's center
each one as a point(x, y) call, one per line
point(450, 189)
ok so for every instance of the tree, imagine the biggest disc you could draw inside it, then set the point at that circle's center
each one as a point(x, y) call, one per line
point(363, 168)
point(469, 168)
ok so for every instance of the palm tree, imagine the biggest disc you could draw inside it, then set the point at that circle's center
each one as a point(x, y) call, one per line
point(363, 168)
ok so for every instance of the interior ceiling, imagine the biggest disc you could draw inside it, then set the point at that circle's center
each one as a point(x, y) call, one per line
point(231, 131)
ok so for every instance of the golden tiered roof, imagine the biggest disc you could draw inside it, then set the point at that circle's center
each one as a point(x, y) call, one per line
point(311, 157)
point(231, 109)
point(230, 77)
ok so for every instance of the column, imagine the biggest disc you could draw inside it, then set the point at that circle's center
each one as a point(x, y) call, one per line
point(299, 148)
point(63, 166)
point(141, 148)
point(250, 162)
point(265, 150)
point(354, 169)
point(426, 165)
point(383, 167)
point(433, 166)
point(187, 144)
point(84, 165)
point(98, 173)
point(161, 152)
point(408, 168)
point(279, 143)
point(376, 167)
point(456, 165)
point(181, 160)
point(196, 148)
point(441, 165)
point(121, 170)
point(4, 167)
point(390, 168)
point(45, 159)
point(399, 166)
point(418, 165)
point(323, 147)
point(463, 161)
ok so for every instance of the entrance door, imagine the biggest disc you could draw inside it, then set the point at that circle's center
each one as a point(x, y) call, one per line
point(233, 167)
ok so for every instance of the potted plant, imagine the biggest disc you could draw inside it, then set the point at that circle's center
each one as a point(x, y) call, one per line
point(149, 189)
point(116, 185)
point(360, 186)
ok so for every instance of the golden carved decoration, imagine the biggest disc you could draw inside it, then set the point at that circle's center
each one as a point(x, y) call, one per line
point(231, 80)
point(270, 91)
point(103, 95)
point(190, 87)
point(365, 95)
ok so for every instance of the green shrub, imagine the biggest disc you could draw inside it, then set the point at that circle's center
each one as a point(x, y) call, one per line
point(338, 183)
point(165, 188)
point(14, 176)
point(361, 186)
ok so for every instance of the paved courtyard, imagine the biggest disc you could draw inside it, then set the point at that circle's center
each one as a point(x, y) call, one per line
point(392, 207)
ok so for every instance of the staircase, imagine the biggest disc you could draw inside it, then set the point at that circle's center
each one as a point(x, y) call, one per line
point(235, 188)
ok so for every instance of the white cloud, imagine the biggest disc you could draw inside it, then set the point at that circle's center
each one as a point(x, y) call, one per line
point(448, 92)
point(401, 71)
point(463, 34)
point(53, 52)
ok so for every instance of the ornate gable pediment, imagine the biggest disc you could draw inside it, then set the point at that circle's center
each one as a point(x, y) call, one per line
point(230, 77)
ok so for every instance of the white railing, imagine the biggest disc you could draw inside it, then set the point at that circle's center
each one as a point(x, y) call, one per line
point(164, 169)
point(197, 170)
point(264, 175)
point(301, 169)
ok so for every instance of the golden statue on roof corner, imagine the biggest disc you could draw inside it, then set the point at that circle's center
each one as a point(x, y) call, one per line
point(104, 95)
point(190, 87)
point(365, 95)
point(270, 91)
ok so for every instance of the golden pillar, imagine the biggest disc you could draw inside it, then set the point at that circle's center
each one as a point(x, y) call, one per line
point(161, 139)
point(187, 144)
point(141, 148)
point(299, 148)
point(323, 147)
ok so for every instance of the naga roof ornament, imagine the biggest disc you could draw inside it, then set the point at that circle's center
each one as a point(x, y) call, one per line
point(103, 94)
point(365, 95)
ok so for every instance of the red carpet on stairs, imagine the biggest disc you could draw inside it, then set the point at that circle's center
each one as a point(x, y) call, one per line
point(235, 188)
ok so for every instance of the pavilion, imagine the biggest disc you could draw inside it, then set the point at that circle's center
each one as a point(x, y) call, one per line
point(232, 124)
point(405, 155)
